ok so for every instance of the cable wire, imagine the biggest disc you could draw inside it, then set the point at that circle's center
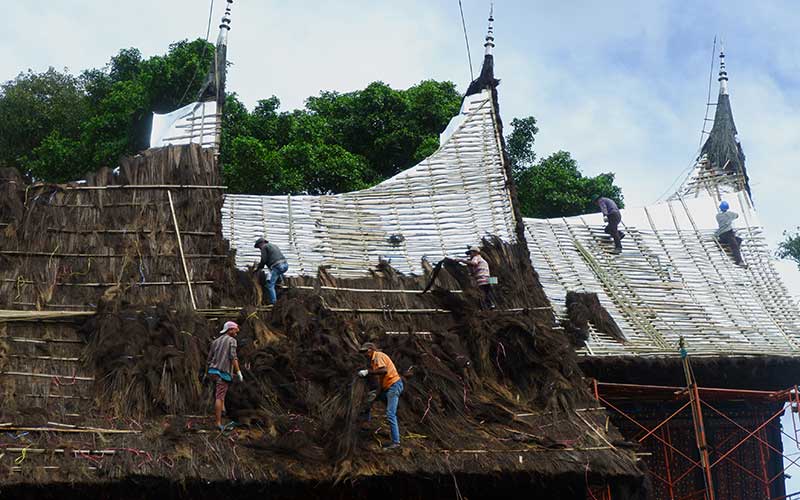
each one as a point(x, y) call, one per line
point(466, 40)
point(202, 54)
point(702, 131)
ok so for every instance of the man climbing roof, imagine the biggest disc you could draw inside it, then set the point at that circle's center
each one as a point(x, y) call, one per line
point(613, 217)
point(221, 359)
point(272, 258)
point(391, 386)
point(479, 270)
point(726, 234)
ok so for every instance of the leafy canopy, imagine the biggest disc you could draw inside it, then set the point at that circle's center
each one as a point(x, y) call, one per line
point(789, 248)
point(56, 127)
point(554, 186)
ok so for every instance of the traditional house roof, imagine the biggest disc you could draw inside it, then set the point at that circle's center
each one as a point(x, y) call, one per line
point(672, 280)
point(452, 199)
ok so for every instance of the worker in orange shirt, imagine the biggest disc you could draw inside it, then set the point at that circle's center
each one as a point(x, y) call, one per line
point(391, 386)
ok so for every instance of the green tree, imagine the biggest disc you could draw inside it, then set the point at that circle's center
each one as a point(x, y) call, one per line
point(555, 187)
point(391, 129)
point(789, 248)
point(35, 107)
point(519, 144)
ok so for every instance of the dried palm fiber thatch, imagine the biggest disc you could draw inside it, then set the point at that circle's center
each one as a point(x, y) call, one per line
point(472, 368)
point(63, 245)
point(584, 308)
point(148, 361)
point(474, 371)
point(3, 348)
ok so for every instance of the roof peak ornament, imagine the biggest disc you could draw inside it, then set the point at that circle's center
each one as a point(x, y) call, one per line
point(723, 73)
point(489, 44)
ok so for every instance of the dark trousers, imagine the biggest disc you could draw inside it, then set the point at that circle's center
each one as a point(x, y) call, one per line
point(614, 218)
point(488, 301)
point(729, 239)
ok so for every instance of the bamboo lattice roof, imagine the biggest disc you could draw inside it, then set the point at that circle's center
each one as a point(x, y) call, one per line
point(448, 201)
point(672, 279)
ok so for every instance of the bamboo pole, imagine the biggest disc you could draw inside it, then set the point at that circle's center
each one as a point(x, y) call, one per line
point(180, 248)
point(130, 187)
point(76, 430)
point(97, 256)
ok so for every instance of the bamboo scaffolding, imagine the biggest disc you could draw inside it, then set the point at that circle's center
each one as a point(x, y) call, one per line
point(672, 278)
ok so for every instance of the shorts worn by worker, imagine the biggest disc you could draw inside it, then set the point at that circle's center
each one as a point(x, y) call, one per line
point(221, 383)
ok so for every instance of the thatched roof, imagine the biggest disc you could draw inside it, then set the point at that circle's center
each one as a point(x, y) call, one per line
point(116, 396)
point(722, 148)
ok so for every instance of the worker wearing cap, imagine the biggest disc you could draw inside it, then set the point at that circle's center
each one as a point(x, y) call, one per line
point(725, 233)
point(391, 386)
point(222, 360)
point(613, 217)
point(272, 258)
point(479, 270)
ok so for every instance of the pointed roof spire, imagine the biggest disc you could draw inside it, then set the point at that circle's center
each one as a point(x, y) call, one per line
point(723, 74)
point(486, 79)
point(489, 44)
point(722, 148)
point(214, 87)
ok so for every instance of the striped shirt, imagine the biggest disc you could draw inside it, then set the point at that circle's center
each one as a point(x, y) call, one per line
point(222, 353)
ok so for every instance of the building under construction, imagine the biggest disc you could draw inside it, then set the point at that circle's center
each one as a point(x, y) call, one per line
point(658, 373)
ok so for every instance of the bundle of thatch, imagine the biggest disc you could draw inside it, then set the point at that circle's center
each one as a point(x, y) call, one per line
point(66, 245)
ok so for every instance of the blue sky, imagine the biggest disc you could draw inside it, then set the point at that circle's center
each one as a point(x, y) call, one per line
point(621, 84)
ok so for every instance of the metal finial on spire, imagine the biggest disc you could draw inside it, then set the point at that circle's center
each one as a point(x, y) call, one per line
point(226, 18)
point(489, 45)
point(723, 74)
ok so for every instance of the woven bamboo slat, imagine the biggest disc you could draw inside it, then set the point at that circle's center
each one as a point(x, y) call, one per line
point(673, 279)
point(449, 201)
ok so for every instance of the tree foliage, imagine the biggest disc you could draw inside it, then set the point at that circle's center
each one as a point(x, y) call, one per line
point(554, 186)
point(56, 127)
point(789, 248)
point(519, 144)
point(339, 142)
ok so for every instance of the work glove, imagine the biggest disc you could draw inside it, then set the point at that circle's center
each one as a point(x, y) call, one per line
point(241, 377)
point(363, 373)
point(372, 396)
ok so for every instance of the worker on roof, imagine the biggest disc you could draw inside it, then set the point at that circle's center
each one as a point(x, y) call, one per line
point(479, 270)
point(613, 217)
point(390, 386)
point(725, 233)
point(272, 258)
point(222, 361)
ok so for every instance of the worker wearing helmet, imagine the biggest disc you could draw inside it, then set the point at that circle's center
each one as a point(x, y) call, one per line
point(726, 234)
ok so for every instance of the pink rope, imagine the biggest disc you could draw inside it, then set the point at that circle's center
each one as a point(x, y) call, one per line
point(427, 409)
